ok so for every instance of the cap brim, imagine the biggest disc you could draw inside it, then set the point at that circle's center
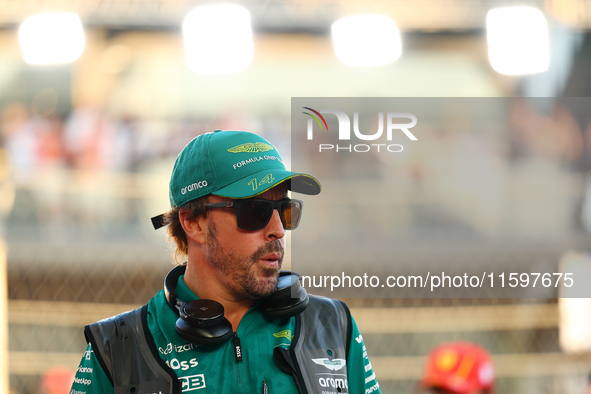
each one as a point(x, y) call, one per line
point(261, 181)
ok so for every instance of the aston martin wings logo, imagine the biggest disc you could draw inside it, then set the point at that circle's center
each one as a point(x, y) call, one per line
point(333, 365)
point(251, 148)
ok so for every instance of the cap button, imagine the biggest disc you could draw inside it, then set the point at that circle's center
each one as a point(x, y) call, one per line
point(215, 131)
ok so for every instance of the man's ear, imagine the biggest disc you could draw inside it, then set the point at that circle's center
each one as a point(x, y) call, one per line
point(195, 228)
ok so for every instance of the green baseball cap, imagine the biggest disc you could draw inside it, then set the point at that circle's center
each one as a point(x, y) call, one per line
point(233, 164)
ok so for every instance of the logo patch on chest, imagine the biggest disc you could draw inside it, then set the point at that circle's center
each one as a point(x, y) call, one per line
point(193, 382)
point(333, 365)
point(284, 334)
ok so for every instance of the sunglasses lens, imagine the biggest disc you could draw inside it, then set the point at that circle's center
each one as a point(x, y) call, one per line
point(292, 211)
point(254, 215)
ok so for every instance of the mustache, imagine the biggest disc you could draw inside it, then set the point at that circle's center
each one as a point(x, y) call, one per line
point(270, 247)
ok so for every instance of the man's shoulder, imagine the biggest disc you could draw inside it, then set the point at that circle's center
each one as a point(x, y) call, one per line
point(154, 304)
point(106, 330)
point(320, 298)
point(120, 316)
point(131, 318)
point(318, 303)
point(328, 312)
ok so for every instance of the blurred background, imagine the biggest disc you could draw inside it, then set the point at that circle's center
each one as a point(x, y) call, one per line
point(88, 140)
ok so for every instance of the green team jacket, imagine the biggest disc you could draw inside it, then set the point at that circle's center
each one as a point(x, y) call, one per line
point(216, 369)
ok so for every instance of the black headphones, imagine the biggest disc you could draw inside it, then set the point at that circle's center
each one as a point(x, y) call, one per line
point(202, 322)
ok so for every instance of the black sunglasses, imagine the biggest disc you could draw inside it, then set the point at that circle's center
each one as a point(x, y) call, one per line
point(255, 213)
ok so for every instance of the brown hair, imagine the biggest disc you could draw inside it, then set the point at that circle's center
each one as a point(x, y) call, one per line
point(175, 230)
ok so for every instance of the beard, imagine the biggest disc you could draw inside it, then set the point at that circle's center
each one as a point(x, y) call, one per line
point(247, 278)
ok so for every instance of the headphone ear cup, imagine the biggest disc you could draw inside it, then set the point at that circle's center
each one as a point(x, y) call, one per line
point(281, 304)
point(201, 336)
point(202, 322)
point(284, 310)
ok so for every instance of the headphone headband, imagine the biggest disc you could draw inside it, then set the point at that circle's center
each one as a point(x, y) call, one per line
point(170, 282)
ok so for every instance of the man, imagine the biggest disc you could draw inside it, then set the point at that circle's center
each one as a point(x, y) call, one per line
point(228, 321)
point(458, 368)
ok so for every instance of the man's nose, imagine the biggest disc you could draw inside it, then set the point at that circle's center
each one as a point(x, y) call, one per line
point(275, 228)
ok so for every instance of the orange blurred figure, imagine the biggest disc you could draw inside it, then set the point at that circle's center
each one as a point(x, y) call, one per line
point(57, 380)
point(459, 368)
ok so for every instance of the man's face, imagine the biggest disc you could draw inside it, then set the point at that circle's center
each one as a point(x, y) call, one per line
point(248, 261)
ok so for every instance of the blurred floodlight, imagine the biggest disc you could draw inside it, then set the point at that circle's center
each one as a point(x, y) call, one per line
point(518, 40)
point(218, 39)
point(573, 305)
point(366, 40)
point(575, 323)
point(51, 38)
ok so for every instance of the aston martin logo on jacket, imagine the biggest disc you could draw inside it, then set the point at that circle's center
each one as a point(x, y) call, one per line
point(333, 365)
